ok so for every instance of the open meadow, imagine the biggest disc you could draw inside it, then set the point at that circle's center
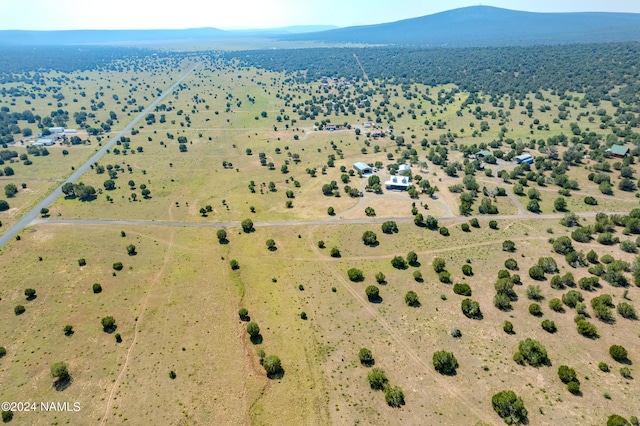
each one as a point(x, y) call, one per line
point(236, 193)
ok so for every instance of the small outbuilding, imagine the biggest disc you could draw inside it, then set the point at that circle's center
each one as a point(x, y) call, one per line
point(524, 158)
point(483, 154)
point(55, 130)
point(363, 168)
point(404, 169)
point(618, 151)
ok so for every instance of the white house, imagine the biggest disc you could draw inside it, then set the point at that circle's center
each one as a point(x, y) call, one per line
point(44, 142)
point(398, 182)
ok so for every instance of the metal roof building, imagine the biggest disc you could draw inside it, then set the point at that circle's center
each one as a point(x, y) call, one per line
point(363, 168)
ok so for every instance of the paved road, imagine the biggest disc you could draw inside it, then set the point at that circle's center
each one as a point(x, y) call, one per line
point(289, 223)
point(32, 214)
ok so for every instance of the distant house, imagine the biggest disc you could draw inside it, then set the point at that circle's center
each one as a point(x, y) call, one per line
point(44, 142)
point(54, 130)
point(331, 127)
point(483, 154)
point(400, 183)
point(70, 131)
point(404, 169)
point(363, 168)
point(524, 158)
point(618, 151)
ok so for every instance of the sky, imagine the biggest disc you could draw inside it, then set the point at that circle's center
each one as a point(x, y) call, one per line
point(245, 14)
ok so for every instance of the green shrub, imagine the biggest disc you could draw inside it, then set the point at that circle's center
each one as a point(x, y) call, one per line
point(616, 420)
point(373, 293)
point(97, 288)
point(511, 264)
point(243, 313)
point(355, 275)
point(534, 309)
point(619, 353)
point(394, 397)
point(467, 270)
point(398, 262)
point(366, 357)
point(603, 366)
point(625, 372)
point(587, 329)
point(573, 387)
point(507, 327)
point(108, 324)
point(534, 292)
point(253, 329)
point(444, 277)
point(502, 302)
point(272, 366)
point(438, 264)
point(536, 273)
point(533, 353)
point(19, 310)
point(549, 326)
point(471, 309)
point(509, 407)
point(556, 305)
point(626, 310)
point(369, 238)
point(462, 289)
point(411, 299)
point(566, 374)
point(571, 298)
point(445, 362)
point(377, 379)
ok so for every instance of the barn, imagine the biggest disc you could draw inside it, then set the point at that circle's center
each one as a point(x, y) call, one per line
point(363, 168)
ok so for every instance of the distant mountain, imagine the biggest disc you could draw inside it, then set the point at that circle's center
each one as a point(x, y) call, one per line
point(92, 37)
point(478, 26)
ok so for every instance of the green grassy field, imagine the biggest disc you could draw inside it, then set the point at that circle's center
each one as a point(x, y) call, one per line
point(176, 301)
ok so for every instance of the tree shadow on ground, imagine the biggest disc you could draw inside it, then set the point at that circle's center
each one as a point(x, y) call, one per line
point(62, 384)
point(276, 375)
point(110, 329)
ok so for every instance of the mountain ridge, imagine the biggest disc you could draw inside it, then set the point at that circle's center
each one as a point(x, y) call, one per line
point(481, 26)
point(474, 26)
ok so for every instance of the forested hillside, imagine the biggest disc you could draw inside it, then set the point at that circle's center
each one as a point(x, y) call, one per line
point(490, 26)
point(593, 69)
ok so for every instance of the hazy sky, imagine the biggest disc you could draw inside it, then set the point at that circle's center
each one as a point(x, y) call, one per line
point(142, 14)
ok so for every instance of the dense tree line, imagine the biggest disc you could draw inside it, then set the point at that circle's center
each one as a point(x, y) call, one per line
point(593, 69)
